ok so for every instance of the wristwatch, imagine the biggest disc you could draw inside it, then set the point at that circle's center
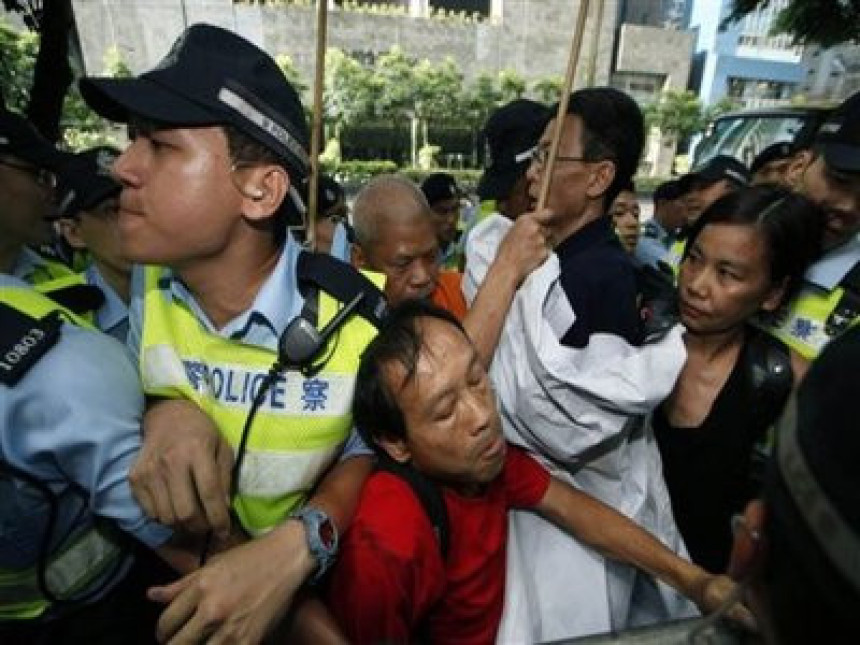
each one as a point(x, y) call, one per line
point(322, 537)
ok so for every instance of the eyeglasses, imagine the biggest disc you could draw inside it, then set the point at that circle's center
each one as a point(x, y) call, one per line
point(43, 177)
point(540, 154)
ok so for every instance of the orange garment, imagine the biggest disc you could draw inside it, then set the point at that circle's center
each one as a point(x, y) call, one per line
point(449, 295)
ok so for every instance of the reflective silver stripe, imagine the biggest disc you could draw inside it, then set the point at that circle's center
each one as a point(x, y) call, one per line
point(269, 126)
point(67, 571)
point(830, 529)
point(234, 385)
point(271, 474)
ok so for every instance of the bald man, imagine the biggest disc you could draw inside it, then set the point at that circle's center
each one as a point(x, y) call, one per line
point(395, 234)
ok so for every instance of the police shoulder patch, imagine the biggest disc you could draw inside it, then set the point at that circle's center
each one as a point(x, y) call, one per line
point(23, 341)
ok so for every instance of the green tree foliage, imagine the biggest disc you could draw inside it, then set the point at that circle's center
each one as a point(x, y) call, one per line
point(810, 22)
point(398, 92)
point(350, 91)
point(17, 56)
point(548, 90)
point(80, 127)
point(511, 85)
point(288, 67)
point(676, 113)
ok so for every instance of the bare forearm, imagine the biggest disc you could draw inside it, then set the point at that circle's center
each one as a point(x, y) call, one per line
point(617, 537)
point(339, 490)
point(486, 316)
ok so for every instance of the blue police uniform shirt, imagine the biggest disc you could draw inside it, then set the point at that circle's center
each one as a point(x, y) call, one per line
point(73, 421)
point(598, 277)
point(276, 304)
point(654, 243)
point(26, 264)
point(340, 246)
point(828, 271)
point(112, 316)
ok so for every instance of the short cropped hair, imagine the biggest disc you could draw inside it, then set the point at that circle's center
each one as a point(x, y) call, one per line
point(613, 129)
point(376, 413)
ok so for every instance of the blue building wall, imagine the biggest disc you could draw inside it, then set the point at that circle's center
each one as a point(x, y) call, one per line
point(717, 58)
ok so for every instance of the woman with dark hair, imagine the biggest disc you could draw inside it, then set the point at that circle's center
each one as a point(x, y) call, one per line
point(746, 254)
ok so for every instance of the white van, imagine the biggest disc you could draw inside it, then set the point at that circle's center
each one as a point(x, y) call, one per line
point(743, 134)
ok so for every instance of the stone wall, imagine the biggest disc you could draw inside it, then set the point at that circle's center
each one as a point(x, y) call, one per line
point(531, 37)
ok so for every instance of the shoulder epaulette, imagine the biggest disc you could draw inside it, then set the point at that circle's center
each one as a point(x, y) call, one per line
point(23, 341)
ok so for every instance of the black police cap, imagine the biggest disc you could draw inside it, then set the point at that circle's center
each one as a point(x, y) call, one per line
point(212, 76)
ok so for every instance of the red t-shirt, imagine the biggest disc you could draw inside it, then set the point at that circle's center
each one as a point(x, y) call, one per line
point(449, 294)
point(390, 581)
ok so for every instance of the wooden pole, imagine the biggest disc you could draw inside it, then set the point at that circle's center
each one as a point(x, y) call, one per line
point(317, 121)
point(572, 62)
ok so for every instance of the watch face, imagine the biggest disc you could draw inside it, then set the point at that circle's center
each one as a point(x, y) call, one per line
point(327, 533)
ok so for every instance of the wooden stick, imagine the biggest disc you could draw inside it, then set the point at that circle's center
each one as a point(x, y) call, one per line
point(316, 122)
point(572, 62)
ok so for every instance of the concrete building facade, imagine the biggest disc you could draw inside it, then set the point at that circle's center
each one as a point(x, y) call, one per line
point(531, 37)
point(744, 61)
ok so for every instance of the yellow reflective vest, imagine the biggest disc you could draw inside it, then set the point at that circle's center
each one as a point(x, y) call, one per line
point(813, 318)
point(674, 256)
point(81, 557)
point(303, 422)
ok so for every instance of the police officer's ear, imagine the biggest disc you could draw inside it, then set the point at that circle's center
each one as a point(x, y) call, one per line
point(359, 259)
point(797, 167)
point(69, 228)
point(600, 177)
point(263, 190)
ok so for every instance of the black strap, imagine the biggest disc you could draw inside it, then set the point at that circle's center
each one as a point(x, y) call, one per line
point(770, 375)
point(428, 494)
point(23, 341)
point(342, 282)
point(769, 378)
point(847, 309)
point(78, 298)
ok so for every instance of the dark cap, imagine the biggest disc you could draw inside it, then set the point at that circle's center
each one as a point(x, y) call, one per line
point(329, 193)
point(511, 133)
point(816, 455)
point(839, 136)
point(668, 191)
point(85, 181)
point(439, 186)
point(20, 139)
point(774, 152)
point(722, 167)
point(211, 76)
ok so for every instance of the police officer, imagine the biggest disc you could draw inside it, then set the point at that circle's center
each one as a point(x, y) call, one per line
point(511, 132)
point(717, 177)
point(445, 196)
point(70, 407)
point(219, 145)
point(829, 300)
point(658, 233)
point(27, 165)
point(87, 204)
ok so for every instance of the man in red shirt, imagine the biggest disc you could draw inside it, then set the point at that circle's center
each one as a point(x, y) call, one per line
point(424, 401)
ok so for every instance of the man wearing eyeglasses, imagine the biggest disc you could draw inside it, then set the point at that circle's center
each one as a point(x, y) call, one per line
point(27, 162)
point(572, 380)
